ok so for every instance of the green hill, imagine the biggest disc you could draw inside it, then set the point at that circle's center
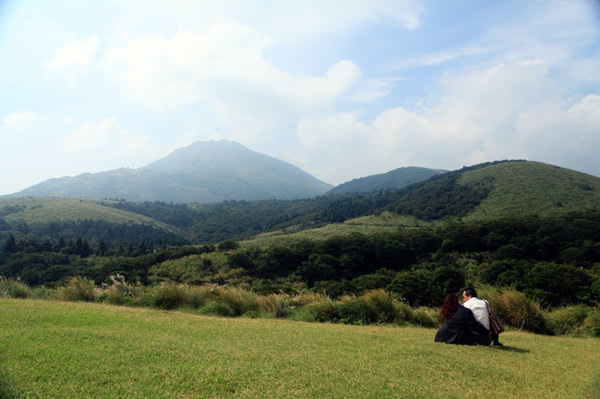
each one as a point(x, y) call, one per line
point(526, 188)
point(42, 210)
point(398, 178)
point(477, 193)
point(51, 218)
point(500, 189)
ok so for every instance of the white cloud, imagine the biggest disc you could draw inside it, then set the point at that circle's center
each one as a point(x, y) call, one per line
point(108, 144)
point(224, 61)
point(20, 121)
point(75, 55)
point(507, 111)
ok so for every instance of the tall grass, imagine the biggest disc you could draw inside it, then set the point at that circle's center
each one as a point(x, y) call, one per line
point(514, 308)
point(12, 288)
point(78, 289)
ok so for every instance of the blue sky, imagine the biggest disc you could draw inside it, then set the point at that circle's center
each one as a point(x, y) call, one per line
point(341, 89)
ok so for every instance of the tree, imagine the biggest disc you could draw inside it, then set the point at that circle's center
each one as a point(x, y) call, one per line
point(11, 244)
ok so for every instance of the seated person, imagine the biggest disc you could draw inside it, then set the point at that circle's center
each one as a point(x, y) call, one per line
point(460, 326)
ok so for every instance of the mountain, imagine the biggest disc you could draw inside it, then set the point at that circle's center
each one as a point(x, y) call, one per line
point(486, 192)
point(397, 178)
point(500, 189)
point(203, 172)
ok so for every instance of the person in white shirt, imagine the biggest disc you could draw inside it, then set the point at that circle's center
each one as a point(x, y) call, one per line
point(480, 310)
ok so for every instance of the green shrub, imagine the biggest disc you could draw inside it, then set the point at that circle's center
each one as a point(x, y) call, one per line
point(384, 304)
point(404, 313)
point(112, 297)
point(515, 309)
point(426, 317)
point(567, 319)
point(42, 292)
point(240, 300)
point(217, 308)
point(275, 305)
point(170, 296)
point(12, 288)
point(591, 323)
point(355, 310)
point(78, 289)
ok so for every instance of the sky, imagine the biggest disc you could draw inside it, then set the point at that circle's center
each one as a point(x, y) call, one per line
point(342, 89)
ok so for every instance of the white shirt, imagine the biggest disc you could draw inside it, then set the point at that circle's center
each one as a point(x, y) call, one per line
point(480, 310)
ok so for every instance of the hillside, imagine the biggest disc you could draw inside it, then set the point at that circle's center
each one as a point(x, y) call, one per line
point(524, 188)
point(204, 172)
point(500, 189)
point(395, 179)
point(51, 218)
point(482, 192)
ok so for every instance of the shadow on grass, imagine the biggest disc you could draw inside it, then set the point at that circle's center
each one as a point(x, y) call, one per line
point(506, 348)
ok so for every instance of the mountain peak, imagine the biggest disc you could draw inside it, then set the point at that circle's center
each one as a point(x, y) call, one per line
point(205, 171)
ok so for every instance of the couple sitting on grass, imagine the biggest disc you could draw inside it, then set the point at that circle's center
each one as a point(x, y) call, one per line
point(466, 324)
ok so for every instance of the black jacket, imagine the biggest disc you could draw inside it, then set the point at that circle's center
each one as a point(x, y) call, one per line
point(463, 329)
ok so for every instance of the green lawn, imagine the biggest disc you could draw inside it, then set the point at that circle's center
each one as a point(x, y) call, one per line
point(56, 349)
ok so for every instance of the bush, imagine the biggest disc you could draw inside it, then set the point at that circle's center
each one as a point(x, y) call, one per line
point(515, 309)
point(14, 288)
point(592, 322)
point(426, 317)
point(43, 292)
point(170, 296)
point(567, 319)
point(383, 304)
point(78, 289)
point(275, 305)
point(217, 308)
point(240, 300)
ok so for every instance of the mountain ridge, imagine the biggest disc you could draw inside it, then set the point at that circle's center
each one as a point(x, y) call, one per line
point(203, 172)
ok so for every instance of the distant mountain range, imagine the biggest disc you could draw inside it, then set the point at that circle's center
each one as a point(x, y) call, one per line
point(480, 193)
point(214, 171)
point(203, 172)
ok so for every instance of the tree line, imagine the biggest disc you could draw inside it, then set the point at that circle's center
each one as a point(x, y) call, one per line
point(556, 260)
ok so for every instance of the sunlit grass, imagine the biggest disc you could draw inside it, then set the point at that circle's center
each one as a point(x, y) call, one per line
point(385, 222)
point(43, 210)
point(525, 188)
point(57, 349)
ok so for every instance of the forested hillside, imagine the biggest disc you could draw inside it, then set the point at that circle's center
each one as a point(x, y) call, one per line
point(527, 225)
point(398, 178)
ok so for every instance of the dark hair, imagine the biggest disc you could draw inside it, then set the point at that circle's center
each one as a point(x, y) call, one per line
point(450, 306)
point(470, 292)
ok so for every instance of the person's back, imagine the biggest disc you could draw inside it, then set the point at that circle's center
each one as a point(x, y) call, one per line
point(479, 309)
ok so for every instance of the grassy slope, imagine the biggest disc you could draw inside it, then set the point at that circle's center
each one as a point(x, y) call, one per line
point(43, 210)
point(387, 221)
point(524, 188)
point(54, 349)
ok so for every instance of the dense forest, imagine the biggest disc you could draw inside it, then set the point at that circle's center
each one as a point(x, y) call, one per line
point(555, 260)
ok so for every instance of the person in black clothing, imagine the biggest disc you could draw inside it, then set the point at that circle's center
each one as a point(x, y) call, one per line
point(460, 326)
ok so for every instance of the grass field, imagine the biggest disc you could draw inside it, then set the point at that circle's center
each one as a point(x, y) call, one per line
point(57, 349)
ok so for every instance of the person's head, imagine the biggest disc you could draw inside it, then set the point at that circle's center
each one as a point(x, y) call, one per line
point(469, 293)
point(450, 306)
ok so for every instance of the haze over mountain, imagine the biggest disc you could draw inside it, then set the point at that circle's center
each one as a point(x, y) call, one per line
point(397, 178)
point(203, 172)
